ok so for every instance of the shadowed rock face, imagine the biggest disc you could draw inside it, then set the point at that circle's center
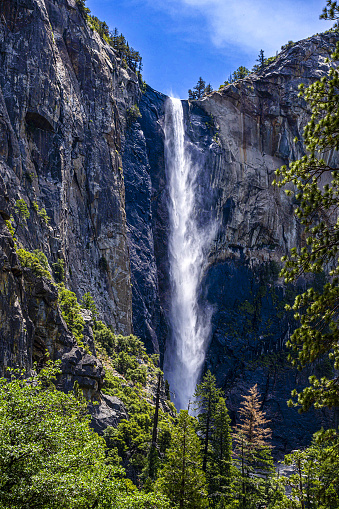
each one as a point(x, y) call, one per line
point(242, 134)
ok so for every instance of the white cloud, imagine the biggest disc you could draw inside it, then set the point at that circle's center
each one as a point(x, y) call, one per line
point(250, 24)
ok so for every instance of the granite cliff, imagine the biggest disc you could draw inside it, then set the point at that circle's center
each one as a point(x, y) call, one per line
point(241, 134)
point(68, 145)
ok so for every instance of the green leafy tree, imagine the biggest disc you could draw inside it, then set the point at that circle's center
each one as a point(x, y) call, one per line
point(182, 479)
point(261, 59)
point(314, 181)
point(50, 458)
point(35, 261)
point(220, 472)
point(199, 90)
point(331, 11)
point(240, 73)
point(206, 396)
point(314, 480)
point(82, 8)
point(262, 62)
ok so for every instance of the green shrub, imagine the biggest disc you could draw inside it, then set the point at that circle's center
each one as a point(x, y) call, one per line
point(10, 226)
point(105, 337)
point(35, 261)
point(70, 310)
point(22, 213)
point(87, 302)
point(43, 215)
point(58, 269)
point(132, 113)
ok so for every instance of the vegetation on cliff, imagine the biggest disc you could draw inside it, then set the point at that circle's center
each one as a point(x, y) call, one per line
point(128, 55)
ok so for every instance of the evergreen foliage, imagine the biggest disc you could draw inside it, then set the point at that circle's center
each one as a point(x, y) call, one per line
point(58, 269)
point(220, 471)
point(182, 479)
point(288, 45)
point(206, 396)
point(200, 89)
point(128, 55)
point(22, 214)
point(314, 181)
point(215, 434)
point(87, 302)
point(252, 452)
point(239, 74)
point(70, 310)
point(314, 481)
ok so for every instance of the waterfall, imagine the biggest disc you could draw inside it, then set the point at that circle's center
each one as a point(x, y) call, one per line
point(188, 243)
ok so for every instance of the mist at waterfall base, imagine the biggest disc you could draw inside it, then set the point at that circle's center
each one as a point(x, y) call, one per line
point(190, 323)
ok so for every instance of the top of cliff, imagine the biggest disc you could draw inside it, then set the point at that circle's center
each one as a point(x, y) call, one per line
point(301, 62)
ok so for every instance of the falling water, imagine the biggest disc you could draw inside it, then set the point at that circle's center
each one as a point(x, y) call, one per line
point(190, 326)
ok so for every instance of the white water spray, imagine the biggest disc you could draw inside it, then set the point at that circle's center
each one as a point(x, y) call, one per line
point(190, 327)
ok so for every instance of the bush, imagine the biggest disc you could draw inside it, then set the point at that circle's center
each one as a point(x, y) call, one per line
point(58, 269)
point(132, 113)
point(105, 337)
point(70, 310)
point(50, 458)
point(35, 261)
point(87, 302)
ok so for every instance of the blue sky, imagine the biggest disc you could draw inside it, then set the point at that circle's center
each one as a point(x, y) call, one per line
point(181, 40)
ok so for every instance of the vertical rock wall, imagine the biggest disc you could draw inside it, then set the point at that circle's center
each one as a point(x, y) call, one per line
point(63, 102)
point(242, 133)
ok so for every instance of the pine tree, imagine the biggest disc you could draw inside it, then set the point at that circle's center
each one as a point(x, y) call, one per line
point(182, 479)
point(208, 89)
point(261, 59)
point(199, 88)
point(314, 481)
point(206, 396)
point(315, 181)
point(219, 468)
point(215, 434)
point(252, 449)
point(240, 73)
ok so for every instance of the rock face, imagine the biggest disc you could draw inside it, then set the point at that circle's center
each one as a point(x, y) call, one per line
point(241, 135)
point(63, 102)
point(66, 147)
